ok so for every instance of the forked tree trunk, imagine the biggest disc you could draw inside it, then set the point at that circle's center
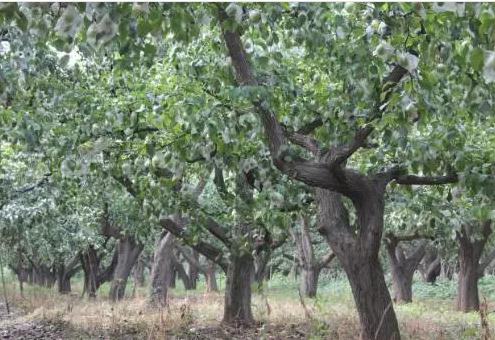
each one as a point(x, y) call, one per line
point(65, 273)
point(128, 250)
point(237, 306)
point(90, 264)
point(306, 260)
point(208, 269)
point(403, 266)
point(431, 266)
point(358, 256)
point(470, 267)
point(162, 270)
point(182, 274)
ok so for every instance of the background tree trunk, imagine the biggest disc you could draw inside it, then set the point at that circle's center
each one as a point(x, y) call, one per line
point(128, 253)
point(192, 271)
point(138, 272)
point(403, 266)
point(210, 277)
point(162, 270)
point(471, 269)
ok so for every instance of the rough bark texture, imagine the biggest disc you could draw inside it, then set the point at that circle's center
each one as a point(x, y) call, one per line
point(237, 306)
point(359, 258)
point(128, 253)
point(403, 267)
point(470, 267)
point(161, 270)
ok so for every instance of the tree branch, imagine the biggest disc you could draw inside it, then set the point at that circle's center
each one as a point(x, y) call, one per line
point(487, 260)
point(325, 261)
point(209, 251)
point(216, 230)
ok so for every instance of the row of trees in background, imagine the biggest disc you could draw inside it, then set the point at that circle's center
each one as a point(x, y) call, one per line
point(233, 137)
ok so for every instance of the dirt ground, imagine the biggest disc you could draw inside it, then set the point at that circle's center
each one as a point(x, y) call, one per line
point(14, 325)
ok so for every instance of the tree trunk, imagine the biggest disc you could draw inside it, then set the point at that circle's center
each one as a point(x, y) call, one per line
point(192, 271)
point(63, 280)
point(237, 307)
point(173, 278)
point(90, 263)
point(181, 272)
point(358, 255)
point(309, 281)
point(138, 272)
point(433, 270)
point(261, 266)
point(471, 269)
point(403, 266)
point(128, 250)
point(372, 299)
point(210, 277)
point(161, 270)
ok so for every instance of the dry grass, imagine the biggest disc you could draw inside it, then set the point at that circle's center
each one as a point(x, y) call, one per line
point(193, 315)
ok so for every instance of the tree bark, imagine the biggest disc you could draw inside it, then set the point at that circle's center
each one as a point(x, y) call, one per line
point(65, 273)
point(359, 259)
point(128, 253)
point(471, 269)
point(309, 281)
point(138, 272)
point(210, 277)
point(403, 267)
point(192, 271)
point(162, 270)
point(306, 260)
point(237, 306)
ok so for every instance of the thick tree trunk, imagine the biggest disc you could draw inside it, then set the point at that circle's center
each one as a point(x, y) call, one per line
point(162, 270)
point(372, 299)
point(470, 267)
point(237, 307)
point(403, 266)
point(63, 283)
point(90, 264)
point(402, 286)
point(128, 250)
point(358, 255)
point(467, 286)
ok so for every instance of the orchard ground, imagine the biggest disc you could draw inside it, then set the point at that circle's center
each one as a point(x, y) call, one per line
point(45, 314)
